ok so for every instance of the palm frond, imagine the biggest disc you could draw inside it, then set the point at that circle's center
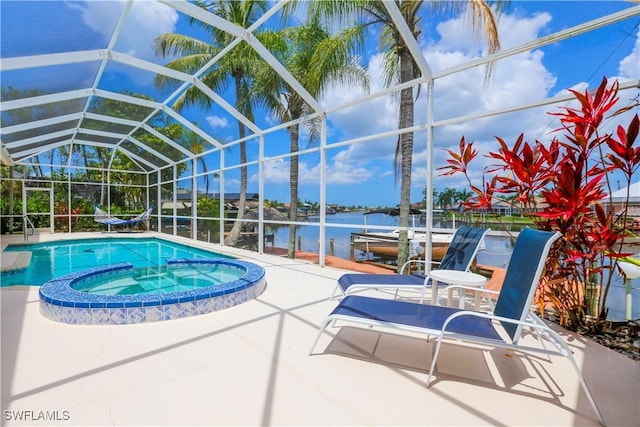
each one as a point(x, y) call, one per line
point(170, 44)
point(482, 18)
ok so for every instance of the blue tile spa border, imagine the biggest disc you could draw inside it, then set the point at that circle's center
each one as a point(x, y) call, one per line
point(59, 301)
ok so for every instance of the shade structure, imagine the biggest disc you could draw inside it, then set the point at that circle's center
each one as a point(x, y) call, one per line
point(71, 114)
point(77, 105)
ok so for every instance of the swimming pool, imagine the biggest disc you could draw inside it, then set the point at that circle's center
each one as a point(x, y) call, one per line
point(131, 280)
point(120, 294)
point(49, 260)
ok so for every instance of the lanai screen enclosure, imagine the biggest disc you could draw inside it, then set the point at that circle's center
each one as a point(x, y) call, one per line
point(89, 116)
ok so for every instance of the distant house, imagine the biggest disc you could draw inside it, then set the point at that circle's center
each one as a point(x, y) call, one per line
point(235, 197)
point(184, 200)
point(504, 207)
point(231, 200)
point(511, 207)
point(619, 197)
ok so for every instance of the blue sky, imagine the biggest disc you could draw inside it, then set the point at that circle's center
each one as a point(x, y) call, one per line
point(361, 174)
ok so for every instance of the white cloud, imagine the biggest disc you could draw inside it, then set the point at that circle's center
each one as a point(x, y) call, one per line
point(338, 172)
point(275, 172)
point(368, 118)
point(515, 29)
point(101, 17)
point(344, 170)
point(516, 80)
point(145, 21)
point(231, 185)
point(217, 122)
point(630, 66)
point(457, 36)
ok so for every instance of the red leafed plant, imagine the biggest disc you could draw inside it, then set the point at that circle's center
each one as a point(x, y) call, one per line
point(564, 186)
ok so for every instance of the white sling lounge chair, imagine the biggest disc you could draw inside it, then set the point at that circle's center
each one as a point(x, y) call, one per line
point(459, 256)
point(511, 315)
point(102, 217)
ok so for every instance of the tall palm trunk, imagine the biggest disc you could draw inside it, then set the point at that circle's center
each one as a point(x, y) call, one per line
point(203, 163)
point(293, 179)
point(103, 178)
point(232, 239)
point(406, 153)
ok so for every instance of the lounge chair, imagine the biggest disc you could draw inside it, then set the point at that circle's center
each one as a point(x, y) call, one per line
point(103, 217)
point(502, 328)
point(459, 256)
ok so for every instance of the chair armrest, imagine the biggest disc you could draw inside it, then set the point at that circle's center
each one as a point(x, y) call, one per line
point(534, 323)
point(416, 261)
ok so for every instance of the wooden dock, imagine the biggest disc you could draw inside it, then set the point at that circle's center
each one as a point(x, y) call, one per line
point(331, 261)
point(496, 274)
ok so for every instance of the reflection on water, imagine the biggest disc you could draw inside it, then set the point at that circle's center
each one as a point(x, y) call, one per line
point(497, 250)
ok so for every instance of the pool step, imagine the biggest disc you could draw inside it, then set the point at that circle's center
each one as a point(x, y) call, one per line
point(124, 286)
point(181, 273)
point(194, 278)
point(14, 260)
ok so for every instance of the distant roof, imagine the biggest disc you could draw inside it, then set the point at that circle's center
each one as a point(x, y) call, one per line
point(392, 211)
point(620, 195)
point(228, 197)
point(236, 196)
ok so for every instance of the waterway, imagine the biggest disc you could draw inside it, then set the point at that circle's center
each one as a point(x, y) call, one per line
point(497, 250)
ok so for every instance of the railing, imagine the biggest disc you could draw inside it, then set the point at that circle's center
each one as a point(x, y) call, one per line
point(27, 220)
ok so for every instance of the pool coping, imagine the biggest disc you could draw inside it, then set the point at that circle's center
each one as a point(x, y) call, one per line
point(59, 301)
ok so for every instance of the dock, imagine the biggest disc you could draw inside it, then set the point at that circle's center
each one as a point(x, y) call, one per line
point(495, 274)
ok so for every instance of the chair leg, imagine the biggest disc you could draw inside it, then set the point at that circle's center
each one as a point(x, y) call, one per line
point(585, 387)
point(333, 295)
point(435, 359)
point(323, 326)
point(489, 301)
point(461, 299)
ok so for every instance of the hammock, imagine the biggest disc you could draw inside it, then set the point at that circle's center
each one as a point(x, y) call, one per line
point(103, 218)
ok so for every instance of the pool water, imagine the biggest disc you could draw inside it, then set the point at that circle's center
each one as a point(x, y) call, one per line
point(159, 280)
point(54, 259)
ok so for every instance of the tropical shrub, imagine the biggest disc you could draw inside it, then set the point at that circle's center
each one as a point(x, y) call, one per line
point(565, 186)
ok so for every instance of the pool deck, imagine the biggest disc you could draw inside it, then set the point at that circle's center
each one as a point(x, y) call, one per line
point(248, 365)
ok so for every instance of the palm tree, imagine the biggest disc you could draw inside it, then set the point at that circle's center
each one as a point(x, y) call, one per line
point(234, 65)
point(463, 195)
point(316, 59)
point(447, 198)
point(197, 146)
point(400, 67)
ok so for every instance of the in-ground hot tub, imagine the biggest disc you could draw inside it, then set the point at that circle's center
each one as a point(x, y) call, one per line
point(120, 294)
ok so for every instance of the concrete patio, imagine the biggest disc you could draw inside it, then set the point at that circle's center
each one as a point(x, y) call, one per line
point(248, 365)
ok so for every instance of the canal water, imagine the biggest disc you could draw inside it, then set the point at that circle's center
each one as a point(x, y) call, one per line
point(497, 251)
